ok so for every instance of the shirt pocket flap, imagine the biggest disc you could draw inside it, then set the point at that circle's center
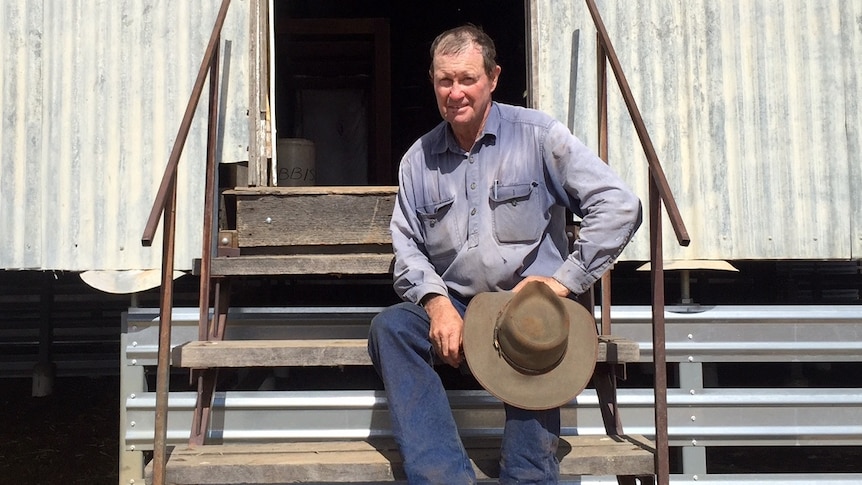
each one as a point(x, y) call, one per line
point(503, 193)
point(435, 210)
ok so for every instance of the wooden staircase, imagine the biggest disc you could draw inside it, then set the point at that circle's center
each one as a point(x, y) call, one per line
point(344, 231)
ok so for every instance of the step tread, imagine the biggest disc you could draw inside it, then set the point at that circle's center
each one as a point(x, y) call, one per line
point(327, 352)
point(363, 263)
point(379, 460)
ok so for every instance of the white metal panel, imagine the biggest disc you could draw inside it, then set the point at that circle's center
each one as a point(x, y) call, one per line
point(20, 138)
point(98, 89)
point(753, 107)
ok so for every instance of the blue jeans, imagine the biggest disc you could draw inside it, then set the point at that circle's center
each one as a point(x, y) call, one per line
point(422, 418)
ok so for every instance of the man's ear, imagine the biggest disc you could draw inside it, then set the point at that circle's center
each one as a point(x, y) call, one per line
point(495, 76)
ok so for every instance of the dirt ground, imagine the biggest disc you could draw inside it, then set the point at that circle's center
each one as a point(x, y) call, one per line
point(70, 437)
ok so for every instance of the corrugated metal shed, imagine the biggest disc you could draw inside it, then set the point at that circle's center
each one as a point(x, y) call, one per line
point(93, 94)
point(753, 107)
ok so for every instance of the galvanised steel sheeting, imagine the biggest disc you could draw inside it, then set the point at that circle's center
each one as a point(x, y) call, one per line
point(93, 95)
point(724, 333)
point(722, 416)
point(699, 415)
point(753, 107)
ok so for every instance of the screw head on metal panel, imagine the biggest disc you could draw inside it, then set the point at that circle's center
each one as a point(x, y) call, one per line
point(132, 424)
point(225, 241)
point(693, 442)
point(694, 418)
point(134, 361)
point(132, 396)
point(134, 344)
point(690, 336)
point(268, 220)
point(132, 448)
point(690, 358)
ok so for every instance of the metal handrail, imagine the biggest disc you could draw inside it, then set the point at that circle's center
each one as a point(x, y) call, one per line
point(165, 205)
point(659, 191)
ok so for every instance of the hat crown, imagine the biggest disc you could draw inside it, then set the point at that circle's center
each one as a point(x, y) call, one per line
point(532, 330)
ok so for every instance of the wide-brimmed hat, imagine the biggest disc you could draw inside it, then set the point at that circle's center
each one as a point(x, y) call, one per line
point(531, 349)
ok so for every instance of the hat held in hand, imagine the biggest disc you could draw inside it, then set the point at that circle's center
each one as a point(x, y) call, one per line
point(531, 349)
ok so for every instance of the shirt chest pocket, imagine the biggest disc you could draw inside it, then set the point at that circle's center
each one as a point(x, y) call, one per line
point(517, 213)
point(441, 229)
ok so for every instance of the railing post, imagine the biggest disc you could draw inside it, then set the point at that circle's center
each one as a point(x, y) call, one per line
point(662, 467)
point(602, 75)
point(166, 298)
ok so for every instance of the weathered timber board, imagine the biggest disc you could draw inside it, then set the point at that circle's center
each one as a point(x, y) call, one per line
point(304, 264)
point(318, 217)
point(379, 460)
point(323, 352)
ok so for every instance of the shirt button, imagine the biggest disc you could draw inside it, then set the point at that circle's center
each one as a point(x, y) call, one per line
point(471, 159)
point(432, 223)
point(473, 212)
point(473, 186)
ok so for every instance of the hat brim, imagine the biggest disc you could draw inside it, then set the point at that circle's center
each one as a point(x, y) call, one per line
point(534, 392)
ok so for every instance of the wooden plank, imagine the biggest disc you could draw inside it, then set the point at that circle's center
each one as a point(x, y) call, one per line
point(271, 353)
point(358, 190)
point(379, 460)
point(304, 264)
point(324, 352)
point(273, 218)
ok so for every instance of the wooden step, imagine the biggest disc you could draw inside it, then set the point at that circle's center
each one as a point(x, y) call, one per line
point(326, 352)
point(312, 216)
point(379, 460)
point(345, 263)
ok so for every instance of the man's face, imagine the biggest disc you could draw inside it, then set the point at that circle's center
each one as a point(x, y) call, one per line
point(463, 89)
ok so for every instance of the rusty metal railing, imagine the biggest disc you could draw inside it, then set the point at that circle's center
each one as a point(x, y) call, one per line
point(659, 192)
point(165, 206)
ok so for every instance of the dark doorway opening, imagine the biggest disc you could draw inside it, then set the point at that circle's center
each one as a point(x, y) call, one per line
point(362, 112)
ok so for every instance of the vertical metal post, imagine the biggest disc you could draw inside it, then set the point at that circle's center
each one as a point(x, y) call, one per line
point(163, 370)
point(209, 196)
point(662, 467)
point(45, 370)
point(602, 75)
point(206, 381)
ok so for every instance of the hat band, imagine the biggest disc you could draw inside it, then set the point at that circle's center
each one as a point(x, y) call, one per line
point(520, 368)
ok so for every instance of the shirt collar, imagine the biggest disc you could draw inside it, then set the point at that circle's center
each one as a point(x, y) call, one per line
point(446, 140)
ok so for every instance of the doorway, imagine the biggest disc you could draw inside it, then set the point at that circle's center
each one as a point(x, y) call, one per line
point(351, 77)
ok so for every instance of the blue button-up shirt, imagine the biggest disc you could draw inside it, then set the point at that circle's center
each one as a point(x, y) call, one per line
point(469, 222)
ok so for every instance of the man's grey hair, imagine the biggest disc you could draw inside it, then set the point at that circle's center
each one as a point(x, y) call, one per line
point(459, 39)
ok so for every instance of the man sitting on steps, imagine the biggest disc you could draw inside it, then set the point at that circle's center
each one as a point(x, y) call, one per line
point(481, 208)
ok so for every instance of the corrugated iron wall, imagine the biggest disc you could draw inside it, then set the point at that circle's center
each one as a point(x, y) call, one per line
point(93, 95)
point(753, 107)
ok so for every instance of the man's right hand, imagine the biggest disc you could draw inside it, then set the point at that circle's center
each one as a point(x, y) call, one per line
point(447, 328)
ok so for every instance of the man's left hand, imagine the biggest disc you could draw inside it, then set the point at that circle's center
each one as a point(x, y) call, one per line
point(553, 284)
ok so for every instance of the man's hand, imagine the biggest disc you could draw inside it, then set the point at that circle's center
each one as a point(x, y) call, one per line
point(553, 284)
point(447, 328)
